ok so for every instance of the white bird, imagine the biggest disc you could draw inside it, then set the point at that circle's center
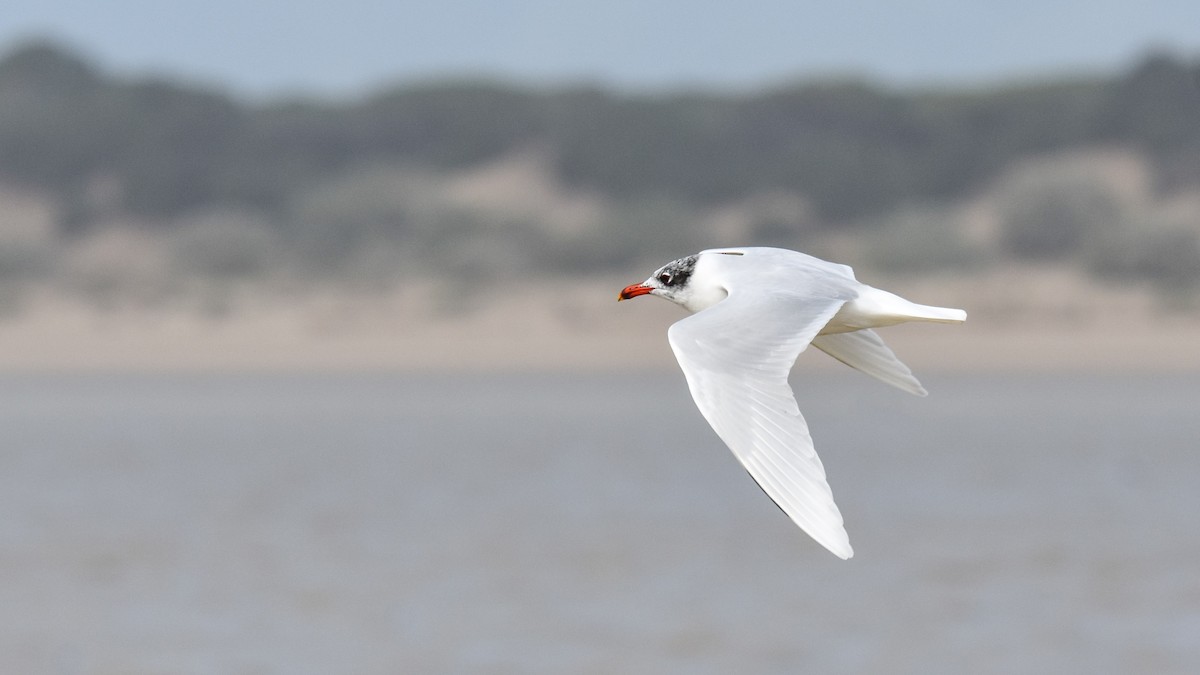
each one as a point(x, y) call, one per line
point(754, 310)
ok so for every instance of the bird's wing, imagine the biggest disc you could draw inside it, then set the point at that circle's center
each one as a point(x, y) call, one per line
point(865, 350)
point(736, 356)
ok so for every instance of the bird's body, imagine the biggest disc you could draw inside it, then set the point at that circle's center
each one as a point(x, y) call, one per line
point(754, 310)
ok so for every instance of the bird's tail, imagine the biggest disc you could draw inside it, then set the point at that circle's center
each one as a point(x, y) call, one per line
point(874, 308)
point(935, 314)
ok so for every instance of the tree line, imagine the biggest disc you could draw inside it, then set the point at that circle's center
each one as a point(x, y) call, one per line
point(854, 148)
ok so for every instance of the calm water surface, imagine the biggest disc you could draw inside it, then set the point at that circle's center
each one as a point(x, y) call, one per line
point(591, 524)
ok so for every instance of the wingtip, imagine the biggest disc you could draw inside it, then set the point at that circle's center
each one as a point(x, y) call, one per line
point(837, 544)
point(845, 553)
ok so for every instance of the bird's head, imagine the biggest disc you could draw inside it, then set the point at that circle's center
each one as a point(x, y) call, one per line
point(682, 281)
point(671, 281)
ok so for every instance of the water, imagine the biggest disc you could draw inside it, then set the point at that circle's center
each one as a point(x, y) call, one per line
point(591, 524)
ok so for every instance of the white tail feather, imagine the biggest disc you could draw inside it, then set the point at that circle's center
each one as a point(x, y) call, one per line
point(874, 308)
point(937, 314)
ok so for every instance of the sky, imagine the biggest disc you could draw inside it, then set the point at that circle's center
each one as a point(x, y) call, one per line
point(281, 47)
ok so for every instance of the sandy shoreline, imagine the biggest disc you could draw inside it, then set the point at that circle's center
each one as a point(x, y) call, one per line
point(576, 328)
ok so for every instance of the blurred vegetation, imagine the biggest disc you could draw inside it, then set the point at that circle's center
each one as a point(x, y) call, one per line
point(234, 190)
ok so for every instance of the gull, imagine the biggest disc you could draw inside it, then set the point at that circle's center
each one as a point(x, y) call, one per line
point(754, 310)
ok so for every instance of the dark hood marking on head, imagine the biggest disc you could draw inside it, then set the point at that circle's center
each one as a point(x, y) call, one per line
point(676, 272)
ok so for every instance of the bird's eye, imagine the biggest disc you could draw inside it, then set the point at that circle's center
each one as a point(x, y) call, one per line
point(666, 278)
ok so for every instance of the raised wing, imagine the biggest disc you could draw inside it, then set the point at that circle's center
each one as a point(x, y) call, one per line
point(736, 356)
point(865, 350)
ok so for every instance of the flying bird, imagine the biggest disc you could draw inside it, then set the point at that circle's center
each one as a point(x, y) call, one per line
point(753, 311)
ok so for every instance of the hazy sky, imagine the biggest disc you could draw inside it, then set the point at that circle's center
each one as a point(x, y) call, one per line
point(269, 47)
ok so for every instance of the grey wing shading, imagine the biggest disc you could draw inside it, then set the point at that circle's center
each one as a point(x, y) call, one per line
point(736, 357)
point(865, 350)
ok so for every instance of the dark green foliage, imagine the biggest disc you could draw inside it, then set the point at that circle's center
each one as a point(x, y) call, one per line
point(54, 118)
point(1156, 108)
point(446, 125)
point(853, 149)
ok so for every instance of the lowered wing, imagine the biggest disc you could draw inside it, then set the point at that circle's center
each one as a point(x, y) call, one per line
point(736, 356)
